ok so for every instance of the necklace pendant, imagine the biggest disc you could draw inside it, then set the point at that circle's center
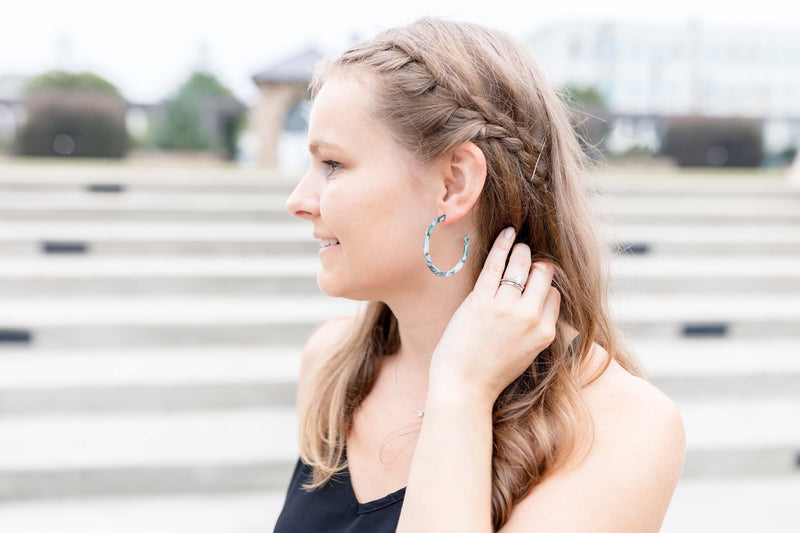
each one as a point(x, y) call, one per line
point(420, 413)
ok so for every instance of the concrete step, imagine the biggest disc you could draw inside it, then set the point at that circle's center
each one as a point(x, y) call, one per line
point(136, 453)
point(156, 238)
point(735, 505)
point(196, 238)
point(142, 206)
point(718, 240)
point(748, 436)
point(75, 175)
point(54, 456)
point(732, 505)
point(257, 206)
point(60, 380)
point(68, 176)
point(90, 275)
point(149, 379)
point(698, 315)
point(649, 182)
point(652, 273)
point(297, 275)
point(722, 368)
point(235, 512)
point(150, 320)
point(697, 210)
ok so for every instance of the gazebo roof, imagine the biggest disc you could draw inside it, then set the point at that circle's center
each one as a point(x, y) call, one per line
point(296, 68)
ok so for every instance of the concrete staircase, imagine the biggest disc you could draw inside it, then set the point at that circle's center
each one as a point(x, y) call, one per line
point(151, 323)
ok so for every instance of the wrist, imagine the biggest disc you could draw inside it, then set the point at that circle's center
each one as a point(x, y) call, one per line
point(458, 396)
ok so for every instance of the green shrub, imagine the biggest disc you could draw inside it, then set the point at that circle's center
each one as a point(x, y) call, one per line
point(73, 114)
point(77, 123)
point(62, 80)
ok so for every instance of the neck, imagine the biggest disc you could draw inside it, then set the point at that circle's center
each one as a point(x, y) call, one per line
point(422, 316)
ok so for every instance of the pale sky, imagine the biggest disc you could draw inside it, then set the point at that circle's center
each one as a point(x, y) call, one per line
point(148, 47)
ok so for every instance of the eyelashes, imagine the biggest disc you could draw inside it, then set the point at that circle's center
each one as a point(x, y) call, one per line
point(333, 166)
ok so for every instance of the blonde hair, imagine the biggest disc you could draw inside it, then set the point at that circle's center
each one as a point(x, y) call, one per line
point(440, 83)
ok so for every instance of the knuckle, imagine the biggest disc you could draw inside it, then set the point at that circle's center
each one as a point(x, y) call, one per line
point(519, 262)
point(533, 316)
point(522, 248)
point(494, 266)
point(544, 266)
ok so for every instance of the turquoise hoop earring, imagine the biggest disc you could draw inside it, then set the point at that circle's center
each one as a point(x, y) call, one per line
point(427, 254)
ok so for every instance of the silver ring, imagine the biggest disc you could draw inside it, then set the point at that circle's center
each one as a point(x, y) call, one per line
point(516, 282)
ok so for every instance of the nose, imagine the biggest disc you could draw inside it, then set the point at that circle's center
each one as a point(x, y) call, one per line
point(304, 200)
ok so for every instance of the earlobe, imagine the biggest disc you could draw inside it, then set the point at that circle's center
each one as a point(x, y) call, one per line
point(464, 176)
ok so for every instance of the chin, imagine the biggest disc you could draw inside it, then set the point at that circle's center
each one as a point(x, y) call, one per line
point(339, 290)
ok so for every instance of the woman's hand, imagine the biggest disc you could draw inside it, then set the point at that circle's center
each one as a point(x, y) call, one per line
point(498, 330)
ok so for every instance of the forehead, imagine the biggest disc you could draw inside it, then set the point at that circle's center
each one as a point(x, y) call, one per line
point(343, 106)
point(342, 117)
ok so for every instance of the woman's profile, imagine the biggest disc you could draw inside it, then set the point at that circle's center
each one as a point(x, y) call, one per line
point(484, 387)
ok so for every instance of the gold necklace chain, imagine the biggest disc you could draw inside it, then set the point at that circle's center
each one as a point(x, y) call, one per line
point(417, 412)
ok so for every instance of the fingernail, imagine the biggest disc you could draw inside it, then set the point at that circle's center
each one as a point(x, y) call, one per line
point(508, 233)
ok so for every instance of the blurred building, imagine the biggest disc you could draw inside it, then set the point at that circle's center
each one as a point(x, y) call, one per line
point(677, 69)
point(279, 117)
point(648, 69)
point(12, 110)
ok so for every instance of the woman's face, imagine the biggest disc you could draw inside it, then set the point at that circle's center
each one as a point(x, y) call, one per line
point(365, 196)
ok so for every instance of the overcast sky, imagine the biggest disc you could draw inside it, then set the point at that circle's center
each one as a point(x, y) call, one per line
point(148, 47)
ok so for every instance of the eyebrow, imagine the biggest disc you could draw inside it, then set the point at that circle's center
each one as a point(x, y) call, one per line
point(315, 146)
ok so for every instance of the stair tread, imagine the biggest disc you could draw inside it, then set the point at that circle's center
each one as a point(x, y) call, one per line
point(221, 310)
point(624, 267)
point(225, 231)
point(59, 368)
point(237, 436)
point(238, 512)
point(115, 440)
point(26, 368)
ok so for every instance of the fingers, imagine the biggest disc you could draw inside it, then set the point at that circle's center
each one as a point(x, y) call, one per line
point(495, 264)
point(550, 311)
point(519, 266)
point(538, 287)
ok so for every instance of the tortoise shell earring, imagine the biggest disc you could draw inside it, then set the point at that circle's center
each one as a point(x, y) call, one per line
point(426, 243)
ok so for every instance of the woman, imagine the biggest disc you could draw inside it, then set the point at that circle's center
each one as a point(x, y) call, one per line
point(493, 395)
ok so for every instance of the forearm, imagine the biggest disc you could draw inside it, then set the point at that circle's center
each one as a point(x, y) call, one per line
point(450, 483)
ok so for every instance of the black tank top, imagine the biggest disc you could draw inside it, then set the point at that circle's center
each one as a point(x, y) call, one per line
point(333, 508)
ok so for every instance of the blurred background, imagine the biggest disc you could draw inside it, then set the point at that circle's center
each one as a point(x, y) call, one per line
point(154, 295)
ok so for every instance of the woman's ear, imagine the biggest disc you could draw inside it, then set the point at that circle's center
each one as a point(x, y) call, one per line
point(463, 172)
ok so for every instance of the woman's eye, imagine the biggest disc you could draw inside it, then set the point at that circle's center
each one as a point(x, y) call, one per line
point(333, 166)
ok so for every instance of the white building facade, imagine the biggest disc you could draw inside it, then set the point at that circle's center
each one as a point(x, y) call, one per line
point(667, 69)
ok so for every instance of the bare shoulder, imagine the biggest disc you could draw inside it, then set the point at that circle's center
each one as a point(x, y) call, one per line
point(319, 344)
point(626, 480)
point(617, 396)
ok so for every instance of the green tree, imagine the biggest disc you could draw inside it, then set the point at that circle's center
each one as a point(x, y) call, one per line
point(586, 106)
point(202, 114)
point(586, 97)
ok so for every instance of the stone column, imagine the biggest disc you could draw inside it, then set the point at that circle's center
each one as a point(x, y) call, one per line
point(793, 173)
point(275, 103)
